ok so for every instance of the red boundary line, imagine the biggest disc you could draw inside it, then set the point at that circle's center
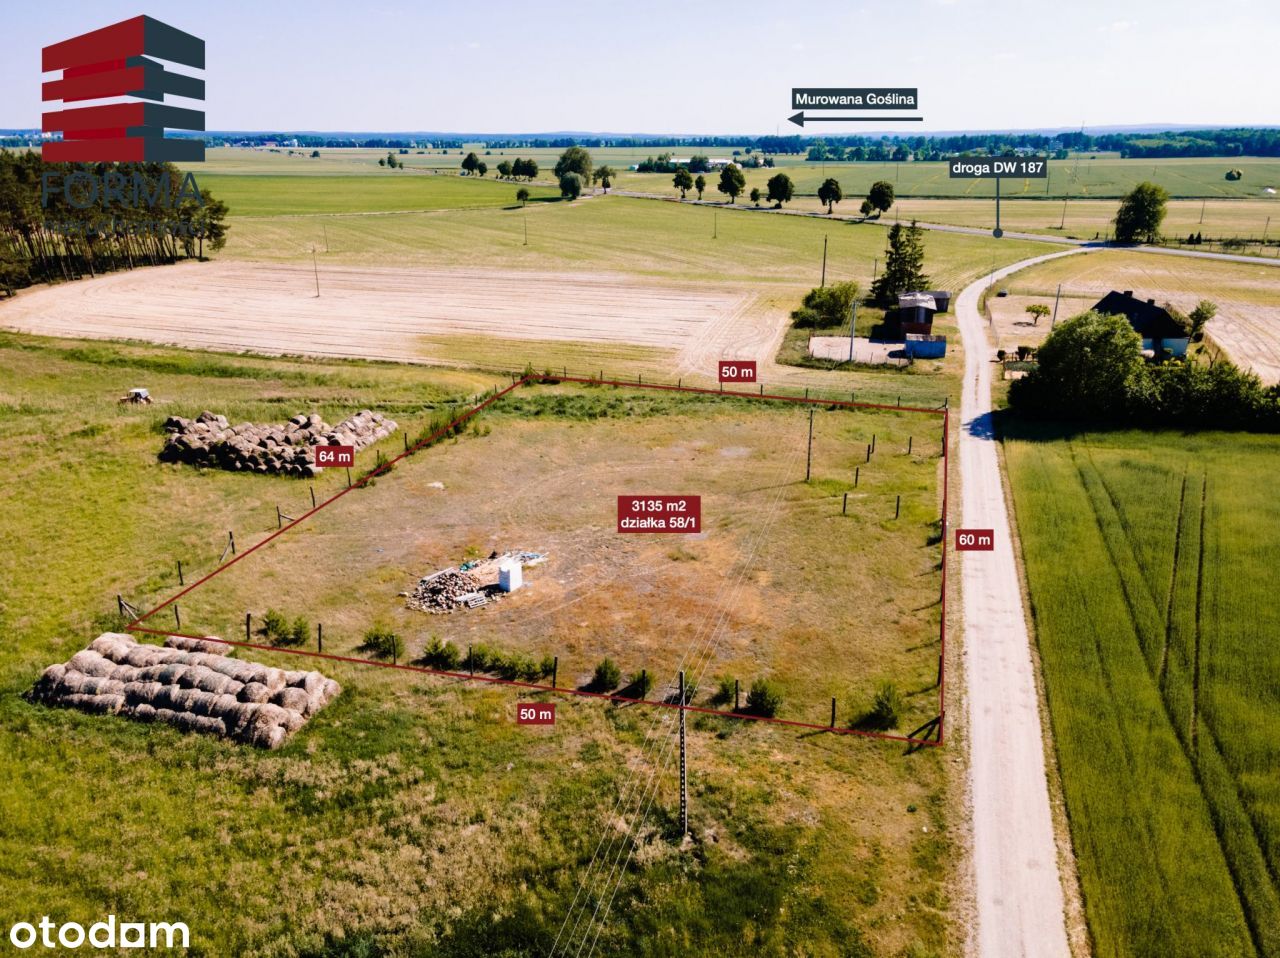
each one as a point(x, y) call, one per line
point(135, 625)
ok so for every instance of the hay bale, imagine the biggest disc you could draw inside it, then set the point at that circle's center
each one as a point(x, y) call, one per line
point(204, 646)
point(188, 687)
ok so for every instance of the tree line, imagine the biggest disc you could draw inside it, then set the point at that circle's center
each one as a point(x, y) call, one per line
point(63, 227)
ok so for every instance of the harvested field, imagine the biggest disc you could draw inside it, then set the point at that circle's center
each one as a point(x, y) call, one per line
point(371, 313)
point(190, 685)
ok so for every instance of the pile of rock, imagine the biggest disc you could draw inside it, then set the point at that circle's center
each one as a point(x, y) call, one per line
point(443, 591)
point(189, 684)
point(210, 440)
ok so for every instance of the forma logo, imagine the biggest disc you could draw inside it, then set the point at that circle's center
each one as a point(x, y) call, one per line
point(122, 60)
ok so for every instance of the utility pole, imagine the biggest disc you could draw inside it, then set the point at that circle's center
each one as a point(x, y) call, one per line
point(526, 230)
point(315, 267)
point(684, 778)
point(1063, 224)
point(1202, 202)
point(808, 466)
point(824, 260)
point(1056, 296)
point(325, 227)
point(853, 325)
point(715, 224)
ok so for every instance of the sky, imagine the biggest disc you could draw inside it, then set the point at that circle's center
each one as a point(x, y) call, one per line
point(715, 68)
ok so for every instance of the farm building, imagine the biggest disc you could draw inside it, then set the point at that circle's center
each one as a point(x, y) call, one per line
point(915, 312)
point(1160, 332)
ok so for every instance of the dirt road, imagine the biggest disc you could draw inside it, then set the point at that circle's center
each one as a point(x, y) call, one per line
point(1019, 892)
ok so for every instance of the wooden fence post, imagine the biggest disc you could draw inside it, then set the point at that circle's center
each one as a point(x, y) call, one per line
point(735, 695)
point(555, 670)
point(177, 618)
point(897, 509)
point(180, 579)
point(833, 711)
point(248, 631)
point(844, 509)
point(313, 496)
point(857, 470)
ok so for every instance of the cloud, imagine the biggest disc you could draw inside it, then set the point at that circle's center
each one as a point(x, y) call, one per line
point(1118, 26)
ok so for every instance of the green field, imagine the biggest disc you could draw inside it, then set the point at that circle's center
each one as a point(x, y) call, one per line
point(289, 194)
point(413, 816)
point(1150, 560)
point(1080, 177)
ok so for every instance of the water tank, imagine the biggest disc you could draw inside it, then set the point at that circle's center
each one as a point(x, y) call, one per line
point(510, 576)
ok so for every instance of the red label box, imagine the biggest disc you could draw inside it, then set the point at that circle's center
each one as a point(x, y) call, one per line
point(334, 456)
point(737, 370)
point(660, 514)
point(975, 540)
point(535, 713)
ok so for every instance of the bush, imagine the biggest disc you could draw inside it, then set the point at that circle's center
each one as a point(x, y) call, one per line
point(547, 667)
point(607, 675)
point(827, 305)
point(724, 691)
point(764, 698)
point(482, 658)
point(641, 684)
point(275, 627)
point(297, 633)
point(886, 707)
point(382, 643)
point(1235, 174)
point(441, 655)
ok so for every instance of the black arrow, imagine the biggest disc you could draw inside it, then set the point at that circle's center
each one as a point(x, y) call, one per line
point(799, 119)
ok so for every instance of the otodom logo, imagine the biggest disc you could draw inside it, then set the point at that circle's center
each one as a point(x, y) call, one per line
point(122, 61)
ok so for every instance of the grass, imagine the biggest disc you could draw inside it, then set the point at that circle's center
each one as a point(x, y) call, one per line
point(291, 194)
point(1101, 175)
point(1149, 561)
point(413, 815)
point(619, 234)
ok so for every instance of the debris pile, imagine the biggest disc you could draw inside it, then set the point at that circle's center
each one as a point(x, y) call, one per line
point(443, 591)
point(210, 440)
point(189, 685)
point(470, 585)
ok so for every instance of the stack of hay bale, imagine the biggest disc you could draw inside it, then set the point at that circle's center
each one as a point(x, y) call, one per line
point(210, 440)
point(189, 684)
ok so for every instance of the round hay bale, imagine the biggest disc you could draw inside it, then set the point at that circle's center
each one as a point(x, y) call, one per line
point(254, 692)
point(294, 699)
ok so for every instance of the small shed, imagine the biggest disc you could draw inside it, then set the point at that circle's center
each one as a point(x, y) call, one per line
point(925, 346)
point(915, 312)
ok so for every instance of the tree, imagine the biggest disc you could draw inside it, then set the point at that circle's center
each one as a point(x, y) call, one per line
point(392, 162)
point(1200, 317)
point(829, 192)
point(700, 184)
point(1141, 213)
point(1090, 367)
point(604, 176)
point(470, 162)
point(732, 182)
point(382, 161)
point(1235, 174)
point(780, 188)
point(683, 181)
point(522, 195)
point(574, 160)
point(903, 264)
point(755, 195)
point(866, 208)
point(482, 167)
point(571, 185)
point(315, 154)
point(504, 169)
point(1037, 311)
point(880, 196)
point(699, 164)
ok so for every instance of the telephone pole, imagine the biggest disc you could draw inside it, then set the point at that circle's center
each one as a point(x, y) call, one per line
point(315, 267)
point(808, 465)
point(684, 778)
point(824, 261)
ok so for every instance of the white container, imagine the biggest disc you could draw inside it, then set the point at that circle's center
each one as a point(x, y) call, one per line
point(510, 575)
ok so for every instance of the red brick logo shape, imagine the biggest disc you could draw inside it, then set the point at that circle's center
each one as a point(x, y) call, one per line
point(122, 60)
